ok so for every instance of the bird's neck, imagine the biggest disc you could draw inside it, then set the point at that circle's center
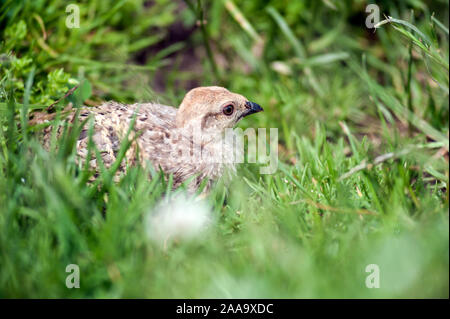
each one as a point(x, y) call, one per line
point(213, 144)
point(202, 136)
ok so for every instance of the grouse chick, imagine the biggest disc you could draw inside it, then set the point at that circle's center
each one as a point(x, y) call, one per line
point(186, 142)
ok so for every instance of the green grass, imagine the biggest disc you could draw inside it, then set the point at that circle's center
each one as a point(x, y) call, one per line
point(363, 149)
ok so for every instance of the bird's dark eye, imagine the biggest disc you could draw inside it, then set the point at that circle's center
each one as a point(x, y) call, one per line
point(228, 110)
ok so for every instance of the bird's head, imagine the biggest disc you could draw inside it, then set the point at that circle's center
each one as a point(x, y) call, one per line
point(213, 108)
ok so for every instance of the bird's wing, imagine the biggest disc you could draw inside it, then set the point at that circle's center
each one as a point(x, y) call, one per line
point(111, 122)
point(157, 114)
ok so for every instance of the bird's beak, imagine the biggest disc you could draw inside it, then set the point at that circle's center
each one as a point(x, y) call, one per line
point(252, 108)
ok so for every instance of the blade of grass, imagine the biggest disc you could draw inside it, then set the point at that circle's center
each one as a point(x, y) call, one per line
point(26, 101)
point(298, 47)
point(399, 110)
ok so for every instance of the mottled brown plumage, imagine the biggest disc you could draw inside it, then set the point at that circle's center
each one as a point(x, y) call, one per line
point(167, 138)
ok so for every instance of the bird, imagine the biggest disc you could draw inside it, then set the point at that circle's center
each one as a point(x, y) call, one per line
point(188, 142)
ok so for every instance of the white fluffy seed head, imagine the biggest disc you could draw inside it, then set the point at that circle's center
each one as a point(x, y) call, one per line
point(180, 217)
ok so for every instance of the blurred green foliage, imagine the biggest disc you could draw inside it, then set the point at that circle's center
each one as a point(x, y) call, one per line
point(103, 47)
